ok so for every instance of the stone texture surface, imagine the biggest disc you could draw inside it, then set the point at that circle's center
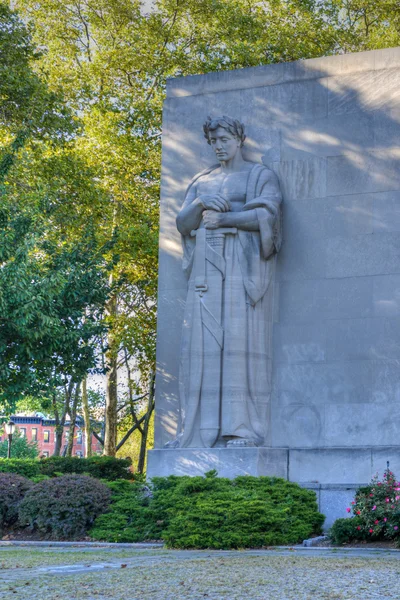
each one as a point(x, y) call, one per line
point(229, 462)
point(308, 466)
point(330, 129)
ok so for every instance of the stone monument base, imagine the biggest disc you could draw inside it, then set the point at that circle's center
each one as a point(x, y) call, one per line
point(333, 473)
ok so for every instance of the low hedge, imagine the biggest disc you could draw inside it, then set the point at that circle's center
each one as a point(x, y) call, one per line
point(26, 467)
point(210, 512)
point(99, 467)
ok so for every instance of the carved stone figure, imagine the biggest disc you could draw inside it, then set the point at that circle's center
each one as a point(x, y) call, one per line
point(231, 230)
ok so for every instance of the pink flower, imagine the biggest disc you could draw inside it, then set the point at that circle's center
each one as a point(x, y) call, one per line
point(348, 509)
point(387, 500)
point(395, 528)
point(376, 522)
point(374, 508)
point(358, 512)
point(397, 498)
point(353, 502)
point(358, 528)
point(371, 531)
point(385, 519)
point(371, 495)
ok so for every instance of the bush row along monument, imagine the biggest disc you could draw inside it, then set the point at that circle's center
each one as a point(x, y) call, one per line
point(278, 345)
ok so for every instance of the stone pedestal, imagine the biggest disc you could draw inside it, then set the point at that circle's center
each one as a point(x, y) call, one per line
point(333, 473)
point(354, 466)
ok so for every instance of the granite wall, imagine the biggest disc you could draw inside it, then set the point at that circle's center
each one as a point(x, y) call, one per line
point(330, 129)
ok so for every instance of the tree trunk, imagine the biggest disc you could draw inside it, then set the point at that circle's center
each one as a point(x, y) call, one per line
point(110, 435)
point(60, 421)
point(150, 408)
point(86, 416)
point(72, 424)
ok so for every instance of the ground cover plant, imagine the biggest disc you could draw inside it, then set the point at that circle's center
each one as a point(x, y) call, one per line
point(13, 488)
point(210, 512)
point(376, 513)
point(64, 507)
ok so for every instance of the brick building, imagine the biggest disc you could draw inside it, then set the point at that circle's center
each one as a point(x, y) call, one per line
point(41, 430)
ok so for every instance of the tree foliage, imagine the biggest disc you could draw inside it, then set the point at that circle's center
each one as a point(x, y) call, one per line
point(20, 447)
point(80, 129)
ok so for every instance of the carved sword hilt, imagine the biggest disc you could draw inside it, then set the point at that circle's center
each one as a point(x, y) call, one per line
point(200, 282)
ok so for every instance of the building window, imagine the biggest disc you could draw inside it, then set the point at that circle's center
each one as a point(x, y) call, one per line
point(79, 437)
point(34, 434)
point(45, 454)
point(66, 436)
point(46, 435)
point(79, 454)
point(22, 431)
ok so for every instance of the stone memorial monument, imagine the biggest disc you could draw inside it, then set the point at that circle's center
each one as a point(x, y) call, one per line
point(281, 359)
point(230, 227)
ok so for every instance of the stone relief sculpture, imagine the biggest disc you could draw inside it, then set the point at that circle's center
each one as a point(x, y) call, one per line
point(231, 230)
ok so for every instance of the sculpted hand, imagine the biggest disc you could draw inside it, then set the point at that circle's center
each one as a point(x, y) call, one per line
point(216, 202)
point(212, 219)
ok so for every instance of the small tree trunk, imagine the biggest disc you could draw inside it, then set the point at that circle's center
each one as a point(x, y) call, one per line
point(110, 435)
point(143, 442)
point(72, 422)
point(86, 416)
point(60, 421)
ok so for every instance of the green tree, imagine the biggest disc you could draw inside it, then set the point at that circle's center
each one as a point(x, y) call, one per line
point(20, 447)
point(110, 60)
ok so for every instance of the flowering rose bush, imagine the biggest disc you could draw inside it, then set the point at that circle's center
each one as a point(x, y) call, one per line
point(376, 510)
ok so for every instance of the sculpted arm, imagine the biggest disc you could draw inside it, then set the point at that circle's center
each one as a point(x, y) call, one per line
point(191, 212)
point(246, 220)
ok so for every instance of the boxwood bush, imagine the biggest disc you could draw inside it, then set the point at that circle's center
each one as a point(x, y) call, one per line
point(211, 512)
point(100, 467)
point(64, 507)
point(13, 488)
point(26, 467)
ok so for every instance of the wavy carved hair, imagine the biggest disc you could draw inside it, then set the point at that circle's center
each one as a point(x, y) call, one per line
point(233, 126)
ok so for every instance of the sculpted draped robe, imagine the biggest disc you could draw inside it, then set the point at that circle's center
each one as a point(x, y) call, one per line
point(225, 355)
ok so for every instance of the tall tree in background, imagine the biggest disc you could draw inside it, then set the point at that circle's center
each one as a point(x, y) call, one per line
point(109, 59)
point(53, 287)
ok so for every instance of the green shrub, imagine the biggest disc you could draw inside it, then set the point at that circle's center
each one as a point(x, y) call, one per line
point(211, 512)
point(13, 488)
point(376, 510)
point(131, 519)
point(100, 467)
point(344, 531)
point(25, 467)
point(64, 507)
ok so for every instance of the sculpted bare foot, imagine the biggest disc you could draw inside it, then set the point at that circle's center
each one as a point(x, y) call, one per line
point(241, 443)
point(172, 444)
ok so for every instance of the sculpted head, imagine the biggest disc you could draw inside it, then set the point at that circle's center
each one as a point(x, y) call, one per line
point(225, 135)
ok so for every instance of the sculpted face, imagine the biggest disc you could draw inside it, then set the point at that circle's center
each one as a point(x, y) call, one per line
point(224, 144)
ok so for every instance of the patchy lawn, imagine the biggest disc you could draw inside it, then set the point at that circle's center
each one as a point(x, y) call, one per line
point(130, 574)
